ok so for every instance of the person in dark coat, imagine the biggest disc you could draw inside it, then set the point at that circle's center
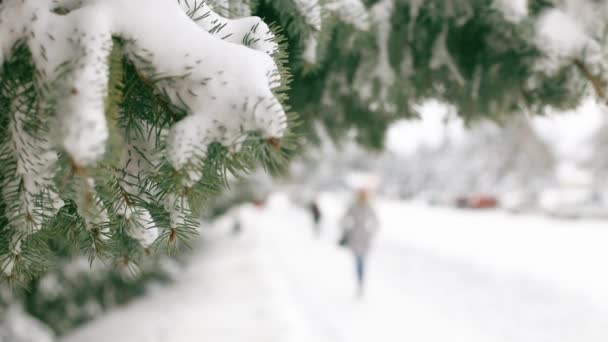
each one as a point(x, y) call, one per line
point(315, 212)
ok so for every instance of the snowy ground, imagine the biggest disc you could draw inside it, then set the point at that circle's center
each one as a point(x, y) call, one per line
point(436, 275)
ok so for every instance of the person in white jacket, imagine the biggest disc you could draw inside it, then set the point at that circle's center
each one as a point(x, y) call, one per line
point(359, 226)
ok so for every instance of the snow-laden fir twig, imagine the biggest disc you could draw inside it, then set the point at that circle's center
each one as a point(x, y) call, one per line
point(218, 73)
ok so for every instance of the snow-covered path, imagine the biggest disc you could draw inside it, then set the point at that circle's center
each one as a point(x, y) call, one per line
point(223, 294)
point(439, 274)
point(436, 275)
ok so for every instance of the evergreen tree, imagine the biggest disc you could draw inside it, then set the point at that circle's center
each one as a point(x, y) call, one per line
point(115, 131)
point(487, 58)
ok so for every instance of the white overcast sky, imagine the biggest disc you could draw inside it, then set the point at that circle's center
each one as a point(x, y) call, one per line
point(567, 133)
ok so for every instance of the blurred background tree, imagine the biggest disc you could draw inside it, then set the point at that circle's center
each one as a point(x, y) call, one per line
point(372, 65)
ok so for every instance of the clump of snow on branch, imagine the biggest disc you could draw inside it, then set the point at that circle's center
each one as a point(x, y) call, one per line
point(212, 86)
point(309, 55)
point(250, 31)
point(140, 224)
point(82, 40)
point(219, 71)
point(92, 209)
point(29, 196)
point(142, 228)
point(311, 10)
point(573, 30)
point(177, 208)
point(380, 69)
point(563, 35)
point(353, 12)
point(34, 160)
point(513, 10)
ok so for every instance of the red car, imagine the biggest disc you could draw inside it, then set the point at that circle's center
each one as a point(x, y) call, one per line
point(483, 202)
point(477, 202)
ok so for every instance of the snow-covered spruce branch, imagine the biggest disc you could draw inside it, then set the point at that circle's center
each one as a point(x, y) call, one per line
point(127, 154)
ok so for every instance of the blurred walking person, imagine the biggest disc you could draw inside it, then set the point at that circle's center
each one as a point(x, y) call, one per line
point(315, 212)
point(359, 226)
